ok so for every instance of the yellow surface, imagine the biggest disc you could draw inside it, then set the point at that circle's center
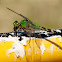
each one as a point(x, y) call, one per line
point(33, 53)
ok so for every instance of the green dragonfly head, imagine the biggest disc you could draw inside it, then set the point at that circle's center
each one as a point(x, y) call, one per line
point(15, 24)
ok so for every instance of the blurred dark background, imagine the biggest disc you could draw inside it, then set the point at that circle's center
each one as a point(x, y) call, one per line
point(46, 13)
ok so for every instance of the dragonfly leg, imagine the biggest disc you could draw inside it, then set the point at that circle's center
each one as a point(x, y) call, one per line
point(15, 29)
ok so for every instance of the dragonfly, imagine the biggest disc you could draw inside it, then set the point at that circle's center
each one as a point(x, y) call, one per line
point(28, 27)
point(26, 24)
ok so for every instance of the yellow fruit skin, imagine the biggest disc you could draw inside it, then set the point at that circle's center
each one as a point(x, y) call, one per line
point(33, 52)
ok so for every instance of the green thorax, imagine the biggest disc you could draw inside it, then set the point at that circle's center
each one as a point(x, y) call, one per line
point(24, 23)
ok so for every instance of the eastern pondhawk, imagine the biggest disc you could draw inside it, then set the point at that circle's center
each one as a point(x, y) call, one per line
point(33, 30)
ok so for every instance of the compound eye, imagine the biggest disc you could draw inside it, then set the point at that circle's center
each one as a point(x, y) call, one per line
point(16, 21)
